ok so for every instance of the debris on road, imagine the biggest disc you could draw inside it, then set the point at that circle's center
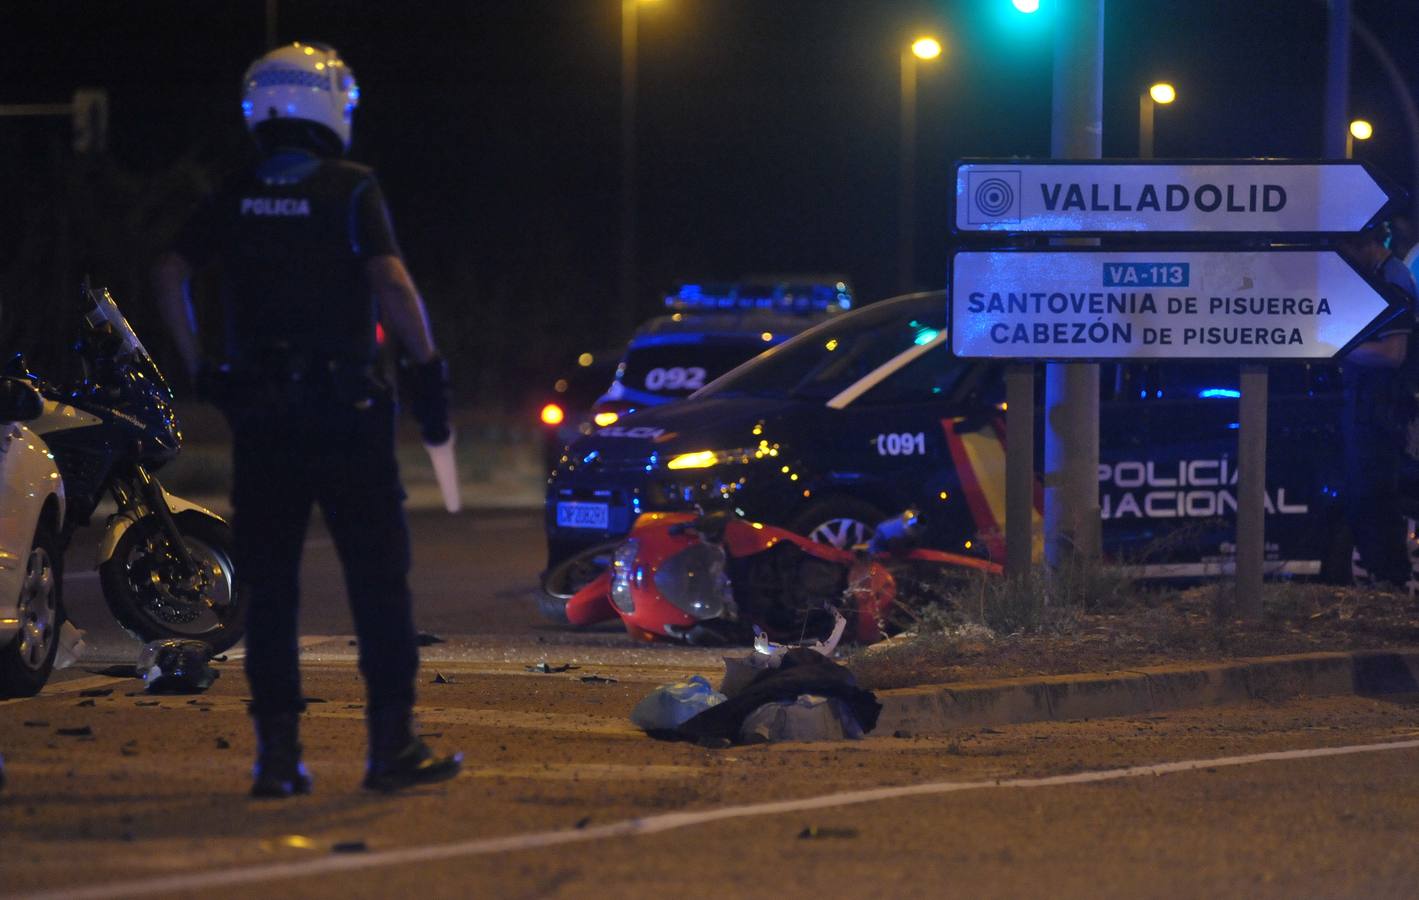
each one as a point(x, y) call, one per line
point(425, 639)
point(440, 678)
point(807, 718)
point(814, 833)
point(71, 645)
point(291, 841)
point(349, 847)
point(96, 692)
point(79, 731)
point(176, 666)
point(775, 693)
point(597, 679)
point(670, 706)
point(35, 723)
point(546, 668)
point(223, 744)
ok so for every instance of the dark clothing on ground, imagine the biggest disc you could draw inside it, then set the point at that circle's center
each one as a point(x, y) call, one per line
point(1379, 403)
point(311, 420)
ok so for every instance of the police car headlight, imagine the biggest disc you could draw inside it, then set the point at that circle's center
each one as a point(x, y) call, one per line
point(704, 459)
point(694, 581)
point(624, 572)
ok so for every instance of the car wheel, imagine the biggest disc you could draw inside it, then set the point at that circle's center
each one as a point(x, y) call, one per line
point(26, 662)
point(840, 521)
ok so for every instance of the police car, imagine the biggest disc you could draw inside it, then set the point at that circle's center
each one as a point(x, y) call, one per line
point(870, 413)
point(710, 329)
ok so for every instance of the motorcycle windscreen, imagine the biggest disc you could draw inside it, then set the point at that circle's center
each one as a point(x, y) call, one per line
point(694, 581)
point(106, 311)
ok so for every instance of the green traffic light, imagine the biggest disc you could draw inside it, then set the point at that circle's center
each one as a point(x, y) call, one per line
point(1026, 6)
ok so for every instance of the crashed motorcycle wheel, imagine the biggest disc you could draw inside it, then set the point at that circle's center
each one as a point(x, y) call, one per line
point(570, 575)
point(151, 597)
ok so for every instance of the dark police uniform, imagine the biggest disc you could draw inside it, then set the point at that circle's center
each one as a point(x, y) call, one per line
point(1379, 402)
point(312, 422)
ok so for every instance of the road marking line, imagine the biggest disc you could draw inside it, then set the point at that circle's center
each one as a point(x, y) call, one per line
point(225, 878)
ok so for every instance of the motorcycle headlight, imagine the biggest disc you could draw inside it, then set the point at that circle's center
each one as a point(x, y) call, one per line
point(624, 572)
point(694, 581)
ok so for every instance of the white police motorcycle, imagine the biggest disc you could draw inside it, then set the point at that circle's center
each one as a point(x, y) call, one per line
point(165, 563)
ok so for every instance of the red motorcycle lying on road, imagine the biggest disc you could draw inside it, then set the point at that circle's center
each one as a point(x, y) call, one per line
point(712, 578)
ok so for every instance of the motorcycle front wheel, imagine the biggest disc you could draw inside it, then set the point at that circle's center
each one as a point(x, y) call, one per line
point(153, 598)
point(570, 575)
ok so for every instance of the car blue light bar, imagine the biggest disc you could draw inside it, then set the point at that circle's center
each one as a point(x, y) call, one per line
point(1215, 393)
point(782, 297)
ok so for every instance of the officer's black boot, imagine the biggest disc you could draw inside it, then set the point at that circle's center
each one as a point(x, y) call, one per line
point(278, 771)
point(398, 758)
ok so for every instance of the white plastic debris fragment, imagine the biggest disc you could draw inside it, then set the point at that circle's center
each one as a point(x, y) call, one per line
point(671, 705)
point(829, 646)
point(446, 473)
point(71, 646)
point(808, 718)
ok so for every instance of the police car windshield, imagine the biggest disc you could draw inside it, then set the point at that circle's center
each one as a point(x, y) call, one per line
point(681, 368)
point(820, 363)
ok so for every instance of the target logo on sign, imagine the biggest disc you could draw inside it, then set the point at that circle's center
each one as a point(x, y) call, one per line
point(993, 196)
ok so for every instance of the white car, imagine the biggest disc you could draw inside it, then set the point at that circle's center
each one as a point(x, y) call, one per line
point(31, 519)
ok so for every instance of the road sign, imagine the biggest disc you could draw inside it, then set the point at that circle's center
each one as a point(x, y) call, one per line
point(1240, 196)
point(1205, 305)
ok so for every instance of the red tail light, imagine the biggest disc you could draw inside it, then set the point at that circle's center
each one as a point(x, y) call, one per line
point(552, 414)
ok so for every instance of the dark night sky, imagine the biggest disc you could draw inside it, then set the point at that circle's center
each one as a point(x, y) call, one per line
point(767, 128)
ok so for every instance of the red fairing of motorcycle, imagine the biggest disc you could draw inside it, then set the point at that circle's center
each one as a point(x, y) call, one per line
point(712, 579)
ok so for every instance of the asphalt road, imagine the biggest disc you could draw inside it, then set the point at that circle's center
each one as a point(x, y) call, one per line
point(114, 793)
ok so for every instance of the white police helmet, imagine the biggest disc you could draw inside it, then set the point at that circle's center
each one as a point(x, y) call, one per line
point(308, 82)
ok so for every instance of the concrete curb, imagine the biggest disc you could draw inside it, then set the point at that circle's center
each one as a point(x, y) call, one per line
point(935, 709)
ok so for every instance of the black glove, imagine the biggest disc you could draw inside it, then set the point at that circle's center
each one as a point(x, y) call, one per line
point(428, 398)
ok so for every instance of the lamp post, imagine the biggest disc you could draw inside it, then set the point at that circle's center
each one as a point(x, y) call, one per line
point(1360, 130)
point(1162, 92)
point(923, 48)
point(626, 307)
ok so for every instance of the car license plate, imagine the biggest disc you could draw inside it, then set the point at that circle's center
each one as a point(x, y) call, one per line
point(581, 515)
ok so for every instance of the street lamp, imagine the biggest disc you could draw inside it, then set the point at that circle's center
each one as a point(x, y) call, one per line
point(923, 48)
point(626, 312)
point(1360, 130)
point(1163, 93)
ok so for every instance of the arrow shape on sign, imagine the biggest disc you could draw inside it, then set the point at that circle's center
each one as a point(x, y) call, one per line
point(1077, 197)
point(1204, 305)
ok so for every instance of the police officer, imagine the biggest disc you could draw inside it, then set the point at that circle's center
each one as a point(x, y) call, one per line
point(1379, 377)
point(309, 263)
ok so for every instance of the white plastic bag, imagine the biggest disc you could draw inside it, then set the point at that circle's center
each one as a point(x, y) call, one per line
point(672, 705)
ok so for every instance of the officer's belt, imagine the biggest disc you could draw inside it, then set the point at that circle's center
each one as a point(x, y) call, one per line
point(284, 366)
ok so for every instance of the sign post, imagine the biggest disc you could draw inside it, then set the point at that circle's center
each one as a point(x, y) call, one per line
point(1267, 303)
